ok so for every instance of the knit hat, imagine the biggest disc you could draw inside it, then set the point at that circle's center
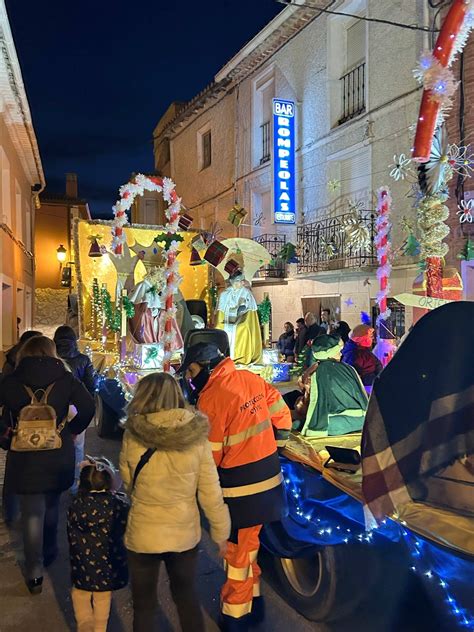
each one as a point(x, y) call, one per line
point(326, 347)
point(363, 335)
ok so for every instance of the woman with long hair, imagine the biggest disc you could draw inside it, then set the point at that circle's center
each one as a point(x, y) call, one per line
point(37, 475)
point(167, 466)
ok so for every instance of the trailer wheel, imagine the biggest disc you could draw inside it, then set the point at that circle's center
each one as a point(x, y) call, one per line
point(329, 585)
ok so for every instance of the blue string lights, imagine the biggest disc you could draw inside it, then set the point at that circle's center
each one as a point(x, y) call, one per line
point(321, 515)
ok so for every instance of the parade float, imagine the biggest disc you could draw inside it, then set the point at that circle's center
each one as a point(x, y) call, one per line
point(329, 554)
point(135, 284)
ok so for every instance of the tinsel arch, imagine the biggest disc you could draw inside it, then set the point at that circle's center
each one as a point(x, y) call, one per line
point(128, 192)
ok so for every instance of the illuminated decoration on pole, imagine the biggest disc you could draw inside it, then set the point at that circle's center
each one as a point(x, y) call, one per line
point(436, 76)
point(284, 196)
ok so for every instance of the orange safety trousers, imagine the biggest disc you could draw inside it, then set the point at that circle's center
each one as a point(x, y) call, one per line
point(243, 573)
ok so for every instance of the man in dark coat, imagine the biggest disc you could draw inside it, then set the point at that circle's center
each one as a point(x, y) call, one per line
point(83, 370)
point(79, 363)
point(357, 352)
point(313, 330)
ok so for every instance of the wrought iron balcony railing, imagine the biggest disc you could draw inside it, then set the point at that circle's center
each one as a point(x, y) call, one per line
point(274, 245)
point(327, 245)
point(353, 93)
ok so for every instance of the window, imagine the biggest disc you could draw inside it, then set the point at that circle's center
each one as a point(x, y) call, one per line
point(18, 213)
point(263, 95)
point(265, 142)
point(206, 149)
point(6, 214)
point(346, 62)
point(28, 228)
point(353, 79)
point(166, 151)
point(352, 169)
point(7, 313)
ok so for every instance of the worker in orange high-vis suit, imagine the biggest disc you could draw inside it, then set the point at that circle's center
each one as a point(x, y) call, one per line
point(249, 422)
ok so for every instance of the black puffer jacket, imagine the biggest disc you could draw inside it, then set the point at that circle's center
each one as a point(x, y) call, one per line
point(49, 470)
point(95, 527)
point(78, 362)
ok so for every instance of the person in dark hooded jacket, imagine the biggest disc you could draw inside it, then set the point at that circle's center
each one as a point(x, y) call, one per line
point(83, 370)
point(79, 363)
point(39, 477)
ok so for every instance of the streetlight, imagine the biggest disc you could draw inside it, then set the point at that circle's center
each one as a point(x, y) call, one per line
point(61, 254)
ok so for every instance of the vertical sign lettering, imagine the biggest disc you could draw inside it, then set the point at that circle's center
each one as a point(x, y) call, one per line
point(284, 202)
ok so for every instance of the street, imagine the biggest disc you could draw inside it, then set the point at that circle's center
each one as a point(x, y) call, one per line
point(52, 610)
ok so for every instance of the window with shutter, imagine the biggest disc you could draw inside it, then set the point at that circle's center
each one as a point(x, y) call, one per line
point(355, 47)
point(206, 149)
point(355, 175)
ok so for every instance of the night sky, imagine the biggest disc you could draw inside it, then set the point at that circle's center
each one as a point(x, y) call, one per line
point(99, 75)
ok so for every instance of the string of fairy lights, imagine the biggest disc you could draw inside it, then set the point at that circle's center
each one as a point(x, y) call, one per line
point(305, 512)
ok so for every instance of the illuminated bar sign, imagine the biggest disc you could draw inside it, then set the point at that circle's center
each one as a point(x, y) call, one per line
point(284, 201)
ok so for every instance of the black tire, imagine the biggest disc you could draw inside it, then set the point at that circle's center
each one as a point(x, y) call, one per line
point(330, 585)
point(105, 419)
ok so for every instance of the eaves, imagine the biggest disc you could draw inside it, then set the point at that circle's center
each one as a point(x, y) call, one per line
point(283, 28)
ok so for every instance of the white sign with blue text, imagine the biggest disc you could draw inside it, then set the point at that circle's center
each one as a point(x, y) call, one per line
point(284, 198)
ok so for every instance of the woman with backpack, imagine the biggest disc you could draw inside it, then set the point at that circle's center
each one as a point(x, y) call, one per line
point(40, 462)
point(167, 466)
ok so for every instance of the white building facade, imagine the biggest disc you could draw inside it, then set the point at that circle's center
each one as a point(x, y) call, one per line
point(21, 181)
point(355, 103)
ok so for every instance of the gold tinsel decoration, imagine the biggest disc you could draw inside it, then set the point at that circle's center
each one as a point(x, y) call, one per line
point(356, 233)
point(432, 213)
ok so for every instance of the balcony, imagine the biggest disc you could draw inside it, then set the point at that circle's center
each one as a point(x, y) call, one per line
point(324, 246)
point(265, 135)
point(353, 93)
point(274, 245)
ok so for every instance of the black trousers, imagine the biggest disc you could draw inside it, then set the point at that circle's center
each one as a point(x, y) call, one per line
point(39, 518)
point(181, 568)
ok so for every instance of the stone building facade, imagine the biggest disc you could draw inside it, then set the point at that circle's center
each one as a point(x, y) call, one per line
point(356, 105)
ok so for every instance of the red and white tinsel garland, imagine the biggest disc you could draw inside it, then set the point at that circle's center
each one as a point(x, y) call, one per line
point(128, 192)
point(435, 74)
point(382, 244)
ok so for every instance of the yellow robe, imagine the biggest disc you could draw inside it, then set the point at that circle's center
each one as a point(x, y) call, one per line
point(245, 337)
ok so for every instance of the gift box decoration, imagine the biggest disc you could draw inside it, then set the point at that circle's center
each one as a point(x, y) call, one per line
point(452, 289)
point(198, 243)
point(281, 372)
point(149, 356)
point(195, 258)
point(231, 266)
point(237, 214)
point(270, 356)
point(185, 222)
point(216, 253)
